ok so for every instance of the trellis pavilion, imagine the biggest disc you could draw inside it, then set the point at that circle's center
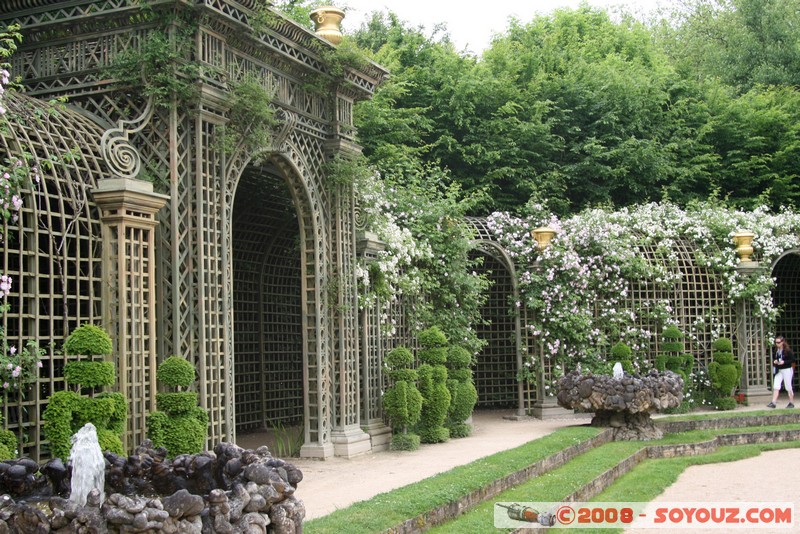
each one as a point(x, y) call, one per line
point(241, 259)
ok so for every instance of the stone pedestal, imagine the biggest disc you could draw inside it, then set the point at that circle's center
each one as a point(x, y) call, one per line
point(350, 441)
point(548, 408)
point(380, 436)
point(316, 450)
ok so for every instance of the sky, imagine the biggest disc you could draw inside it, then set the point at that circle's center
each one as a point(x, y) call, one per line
point(471, 27)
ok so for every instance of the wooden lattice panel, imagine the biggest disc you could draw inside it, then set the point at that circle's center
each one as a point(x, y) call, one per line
point(495, 373)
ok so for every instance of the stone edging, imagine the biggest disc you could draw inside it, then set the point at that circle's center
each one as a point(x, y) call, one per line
point(453, 509)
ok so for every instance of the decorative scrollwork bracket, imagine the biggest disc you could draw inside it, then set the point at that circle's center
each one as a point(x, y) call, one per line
point(120, 155)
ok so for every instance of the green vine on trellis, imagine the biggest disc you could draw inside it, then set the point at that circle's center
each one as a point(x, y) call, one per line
point(159, 66)
point(252, 116)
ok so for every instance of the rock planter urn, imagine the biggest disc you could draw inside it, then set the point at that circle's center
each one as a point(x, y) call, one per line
point(624, 403)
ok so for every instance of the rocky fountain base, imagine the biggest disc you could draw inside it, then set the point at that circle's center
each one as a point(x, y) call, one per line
point(230, 491)
point(625, 403)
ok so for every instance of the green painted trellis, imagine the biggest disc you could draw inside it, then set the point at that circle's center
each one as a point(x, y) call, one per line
point(66, 50)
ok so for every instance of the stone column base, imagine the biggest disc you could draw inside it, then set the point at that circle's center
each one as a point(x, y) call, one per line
point(549, 409)
point(350, 441)
point(380, 436)
point(759, 396)
point(316, 450)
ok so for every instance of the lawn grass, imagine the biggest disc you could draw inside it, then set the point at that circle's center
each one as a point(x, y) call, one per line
point(389, 509)
point(642, 484)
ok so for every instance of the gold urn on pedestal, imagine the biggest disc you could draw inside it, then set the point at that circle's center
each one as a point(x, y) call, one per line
point(744, 247)
point(327, 23)
point(543, 235)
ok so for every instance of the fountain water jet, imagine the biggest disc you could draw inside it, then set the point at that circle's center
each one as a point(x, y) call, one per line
point(88, 465)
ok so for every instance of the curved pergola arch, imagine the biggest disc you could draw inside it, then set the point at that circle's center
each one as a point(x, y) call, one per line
point(52, 252)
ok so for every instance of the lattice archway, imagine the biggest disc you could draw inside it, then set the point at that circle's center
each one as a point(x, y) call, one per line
point(268, 336)
point(495, 371)
point(53, 253)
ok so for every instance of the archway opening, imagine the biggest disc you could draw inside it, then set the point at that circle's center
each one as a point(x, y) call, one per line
point(495, 371)
point(786, 297)
point(267, 303)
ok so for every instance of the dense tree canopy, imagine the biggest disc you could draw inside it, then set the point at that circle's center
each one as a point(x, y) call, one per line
point(576, 109)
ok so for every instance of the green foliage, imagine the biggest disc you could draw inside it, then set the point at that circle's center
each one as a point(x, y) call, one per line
point(90, 374)
point(724, 371)
point(463, 394)
point(404, 442)
point(399, 358)
point(621, 352)
point(402, 400)
point(176, 372)
point(176, 403)
point(184, 434)
point(252, 117)
point(672, 358)
point(8, 443)
point(109, 441)
point(159, 67)
point(725, 403)
point(88, 340)
point(67, 412)
point(180, 426)
point(435, 403)
point(433, 345)
point(403, 404)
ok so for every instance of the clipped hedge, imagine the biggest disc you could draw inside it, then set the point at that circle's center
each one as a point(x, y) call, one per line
point(176, 372)
point(463, 395)
point(90, 374)
point(176, 403)
point(88, 340)
point(179, 425)
point(183, 434)
point(8, 443)
point(67, 412)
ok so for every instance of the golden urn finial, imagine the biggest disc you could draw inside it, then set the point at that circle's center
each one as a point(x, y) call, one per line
point(327, 23)
point(543, 235)
point(743, 240)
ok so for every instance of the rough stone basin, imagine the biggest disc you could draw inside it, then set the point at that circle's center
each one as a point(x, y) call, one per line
point(625, 403)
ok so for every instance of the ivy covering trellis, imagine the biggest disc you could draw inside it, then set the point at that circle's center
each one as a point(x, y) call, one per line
point(577, 289)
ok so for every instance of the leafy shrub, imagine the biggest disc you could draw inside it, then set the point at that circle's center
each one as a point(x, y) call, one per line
point(673, 357)
point(463, 395)
point(180, 425)
point(724, 370)
point(402, 400)
point(88, 340)
point(182, 434)
point(620, 352)
point(405, 442)
point(435, 403)
point(176, 403)
point(67, 412)
point(90, 374)
point(433, 385)
point(725, 403)
point(8, 443)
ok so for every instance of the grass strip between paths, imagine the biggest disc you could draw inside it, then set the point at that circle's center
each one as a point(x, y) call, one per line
point(389, 509)
point(642, 484)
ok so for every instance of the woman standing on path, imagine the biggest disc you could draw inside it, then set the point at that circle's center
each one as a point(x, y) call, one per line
point(783, 363)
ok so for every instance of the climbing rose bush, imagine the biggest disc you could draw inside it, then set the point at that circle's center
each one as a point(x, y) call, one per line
point(578, 288)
